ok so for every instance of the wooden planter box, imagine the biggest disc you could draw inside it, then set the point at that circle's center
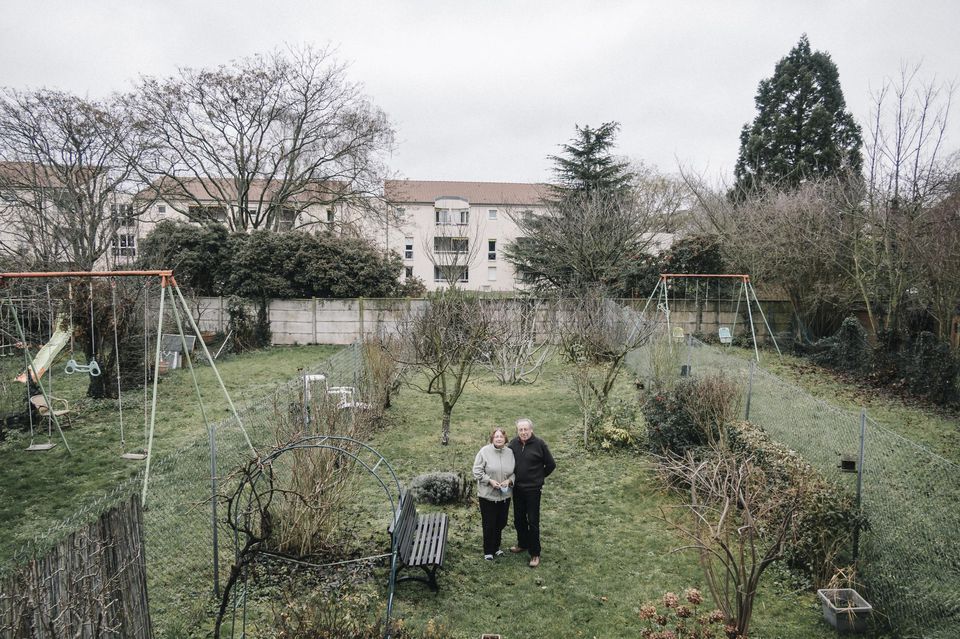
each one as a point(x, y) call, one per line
point(845, 609)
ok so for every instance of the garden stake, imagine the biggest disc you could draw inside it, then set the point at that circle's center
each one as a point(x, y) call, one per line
point(856, 530)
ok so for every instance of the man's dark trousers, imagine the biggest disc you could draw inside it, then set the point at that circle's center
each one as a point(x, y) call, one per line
point(526, 519)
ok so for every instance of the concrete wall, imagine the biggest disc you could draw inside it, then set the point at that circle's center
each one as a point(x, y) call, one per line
point(325, 321)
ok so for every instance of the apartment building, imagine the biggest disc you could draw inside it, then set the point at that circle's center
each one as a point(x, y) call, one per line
point(458, 230)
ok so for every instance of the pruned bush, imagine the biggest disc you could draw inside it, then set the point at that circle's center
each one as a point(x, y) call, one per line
point(846, 350)
point(826, 515)
point(669, 427)
point(439, 488)
point(694, 412)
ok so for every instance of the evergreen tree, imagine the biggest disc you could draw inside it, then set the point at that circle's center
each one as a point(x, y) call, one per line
point(586, 166)
point(600, 222)
point(802, 129)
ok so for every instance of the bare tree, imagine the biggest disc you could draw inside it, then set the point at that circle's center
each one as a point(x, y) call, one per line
point(731, 521)
point(65, 162)
point(518, 347)
point(595, 334)
point(444, 340)
point(936, 257)
point(907, 177)
point(801, 239)
point(266, 142)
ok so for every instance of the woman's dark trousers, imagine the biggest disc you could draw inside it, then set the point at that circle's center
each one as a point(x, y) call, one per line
point(493, 514)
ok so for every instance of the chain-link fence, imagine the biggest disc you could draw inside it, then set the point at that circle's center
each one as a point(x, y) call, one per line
point(188, 558)
point(909, 553)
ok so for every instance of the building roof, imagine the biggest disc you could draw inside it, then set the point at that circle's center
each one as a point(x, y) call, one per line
point(26, 175)
point(488, 193)
point(225, 189)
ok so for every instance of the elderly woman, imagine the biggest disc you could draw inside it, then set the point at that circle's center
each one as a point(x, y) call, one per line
point(493, 470)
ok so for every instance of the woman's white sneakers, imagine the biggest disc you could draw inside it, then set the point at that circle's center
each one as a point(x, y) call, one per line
point(488, 557)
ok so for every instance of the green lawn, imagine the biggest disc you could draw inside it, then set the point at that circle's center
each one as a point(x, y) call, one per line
point(38, 490)
point(605, 549)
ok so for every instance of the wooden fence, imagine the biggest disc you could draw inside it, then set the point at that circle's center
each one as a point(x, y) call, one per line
point(92, 584)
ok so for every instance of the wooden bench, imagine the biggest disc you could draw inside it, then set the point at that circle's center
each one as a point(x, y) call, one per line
point(421, 541)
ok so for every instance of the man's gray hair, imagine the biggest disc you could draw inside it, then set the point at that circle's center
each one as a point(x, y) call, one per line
point(525, 420)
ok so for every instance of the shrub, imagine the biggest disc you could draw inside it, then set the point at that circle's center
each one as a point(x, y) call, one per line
point(932, 370)
point(439, 488)
point(826, 517)
point(198, 254)
point(621, 427)
point(669, 427)
point(693, 413)
point(249, 333)
point(350, 616)
point(846, 350)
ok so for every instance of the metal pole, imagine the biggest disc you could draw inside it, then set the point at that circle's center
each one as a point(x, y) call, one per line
point(689, 354)
point(856, 530)
point(212, 430)
point(153, 401)
point(216, 373)
point(736, 312)
point(649, 299)
point(753, 333)
point(765, 322)
point(213, 444)
point(753, 365)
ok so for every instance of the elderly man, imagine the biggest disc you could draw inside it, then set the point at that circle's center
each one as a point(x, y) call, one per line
point(534, 463)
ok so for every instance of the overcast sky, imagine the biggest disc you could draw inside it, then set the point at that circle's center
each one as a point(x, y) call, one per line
point(485, 90)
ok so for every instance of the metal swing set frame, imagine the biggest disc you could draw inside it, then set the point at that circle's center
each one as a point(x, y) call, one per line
point(167, 281)
point(662, 292)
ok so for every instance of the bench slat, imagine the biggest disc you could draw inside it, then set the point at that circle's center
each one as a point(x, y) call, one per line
point(421, 539)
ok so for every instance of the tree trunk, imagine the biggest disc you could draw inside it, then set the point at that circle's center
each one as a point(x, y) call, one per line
point(445, 427)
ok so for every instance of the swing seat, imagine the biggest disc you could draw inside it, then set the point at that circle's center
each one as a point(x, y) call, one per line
point(725, 337)
point(678, 334)
point(59, 406)
point(40, 447)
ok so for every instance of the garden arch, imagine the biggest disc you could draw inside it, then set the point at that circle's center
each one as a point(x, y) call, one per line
point(368, 458)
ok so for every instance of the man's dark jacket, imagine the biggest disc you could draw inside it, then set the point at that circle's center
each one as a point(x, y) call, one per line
point(534, 462)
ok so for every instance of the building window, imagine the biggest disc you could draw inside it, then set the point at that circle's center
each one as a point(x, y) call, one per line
point(407, 272)
point(448, 216)
point(162, 208)
point(492, 214)
point(459, 245)
point(408, 248)
point(492, 250)
point(285, 217)
point(122, 214)
point(125, 244)
point(491, 273)
point(451, 273)
point(330, 216)
point(207, 213)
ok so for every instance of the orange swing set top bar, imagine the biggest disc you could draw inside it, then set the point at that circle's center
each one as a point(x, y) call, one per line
point(164, 274)
point(741, 276)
